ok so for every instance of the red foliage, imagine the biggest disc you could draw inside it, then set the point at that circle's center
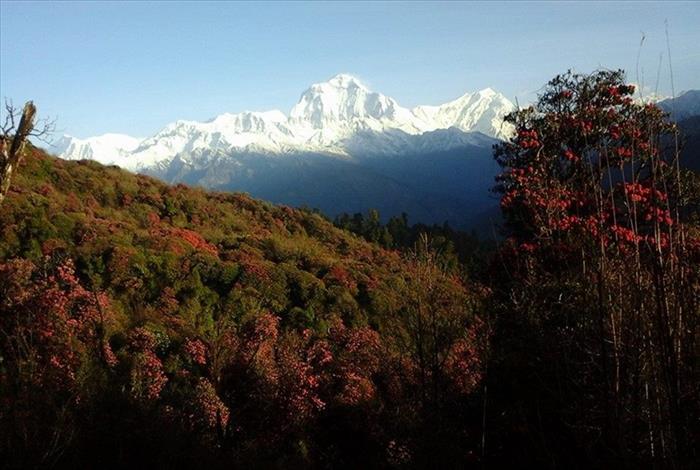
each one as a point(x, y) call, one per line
point(51, 322)
point(549, 194)
point(46, 189)
point(51, 245)
point(464, 363)
point(73, 203)
point(147, 375)
point(252, 265)
point(196, 351)
point(163, 232)
point(210, 411)
point(168, 302)
point(339, 275)
point(255, 344)
point(195, 240)
point(127, 200)
point(298, 382)
point(356, 361)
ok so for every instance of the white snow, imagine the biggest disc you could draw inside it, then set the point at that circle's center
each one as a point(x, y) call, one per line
point(110, 149)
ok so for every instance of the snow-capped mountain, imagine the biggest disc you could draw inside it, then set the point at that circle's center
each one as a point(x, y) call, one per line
point(110, 149)
point(343, 105)
point(473, 112)
point(331, 117)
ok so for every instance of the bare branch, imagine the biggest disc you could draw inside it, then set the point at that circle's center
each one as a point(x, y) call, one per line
point(8, 127)
point(14, 137)
point(42, 129)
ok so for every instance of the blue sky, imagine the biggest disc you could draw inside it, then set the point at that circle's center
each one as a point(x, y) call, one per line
point(134, 67)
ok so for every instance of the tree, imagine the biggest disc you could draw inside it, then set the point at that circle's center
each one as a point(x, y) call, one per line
point(16, 129)
point(600, 266)
point(435, 344)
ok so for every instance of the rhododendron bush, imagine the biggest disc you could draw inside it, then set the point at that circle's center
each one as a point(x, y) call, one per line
point(52, 347)
point(602, 263)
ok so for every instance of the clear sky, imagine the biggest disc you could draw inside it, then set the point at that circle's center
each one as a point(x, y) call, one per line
point(134, 67)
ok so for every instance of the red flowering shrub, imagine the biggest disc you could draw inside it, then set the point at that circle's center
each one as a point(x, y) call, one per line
point(252, 265)
point(53, 343)
point(298, 382)
point(464, 364)
point(586, 162)
point(597, 264)
point(168, 303)
point(57, 321)
point(341, 276)
point(147, 375)
point(160, 231)
point(195, 240)
point(196, 351)
point(210, 411)
point(357, 359)
point(153, 220)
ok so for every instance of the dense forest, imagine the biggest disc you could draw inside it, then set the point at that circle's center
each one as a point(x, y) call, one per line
point(143, 324)
point(456, 249)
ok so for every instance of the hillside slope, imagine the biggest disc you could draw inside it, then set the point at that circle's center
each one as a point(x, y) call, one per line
point(164, 325)
point(84, 206)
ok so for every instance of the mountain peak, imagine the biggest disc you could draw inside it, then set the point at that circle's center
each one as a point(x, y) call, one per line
point(345, 81)
point(273, 115)
point(343, 98)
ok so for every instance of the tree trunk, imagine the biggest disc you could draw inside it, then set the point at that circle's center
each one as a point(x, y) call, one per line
point(12, 147)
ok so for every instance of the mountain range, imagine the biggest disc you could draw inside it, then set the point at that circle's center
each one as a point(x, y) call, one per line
point(340, 117)
point(341, 148)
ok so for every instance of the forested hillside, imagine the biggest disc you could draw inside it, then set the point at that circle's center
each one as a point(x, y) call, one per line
point(145, 323)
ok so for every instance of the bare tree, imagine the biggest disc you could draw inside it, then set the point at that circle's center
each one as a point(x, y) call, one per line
point(15, 131)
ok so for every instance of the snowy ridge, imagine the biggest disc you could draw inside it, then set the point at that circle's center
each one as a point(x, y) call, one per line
point(339, 117)
point(110, 149)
